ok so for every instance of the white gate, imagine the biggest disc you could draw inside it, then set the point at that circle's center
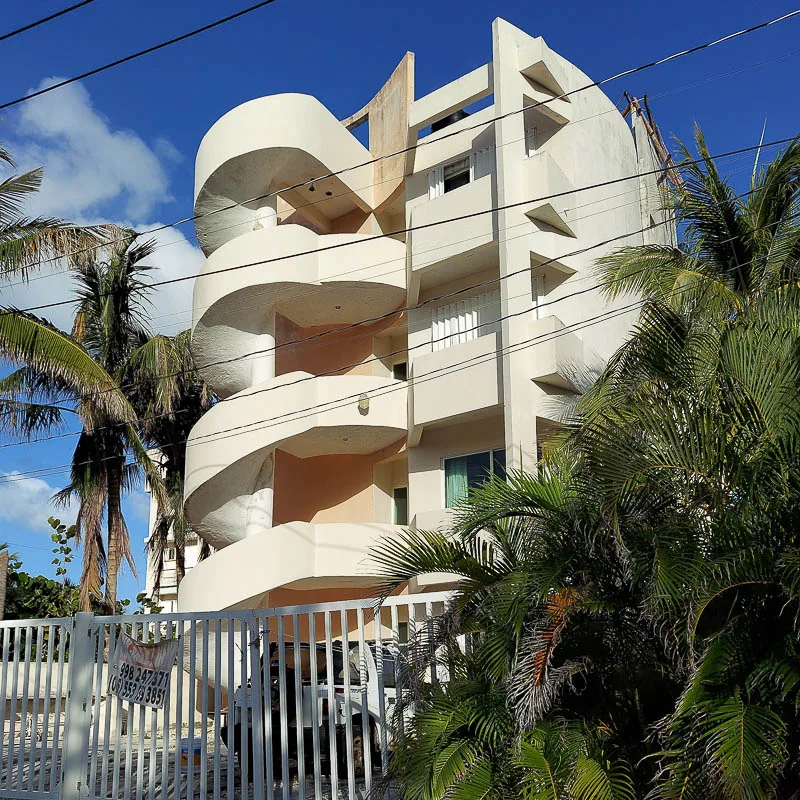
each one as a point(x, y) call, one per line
point(274, 703)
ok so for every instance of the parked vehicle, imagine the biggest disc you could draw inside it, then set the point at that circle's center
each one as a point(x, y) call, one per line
point(339, 696)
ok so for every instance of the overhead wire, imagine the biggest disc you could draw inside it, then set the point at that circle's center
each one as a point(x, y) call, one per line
point(132, 56)
point(342, 370)
point(43, 20)
point(425, 226)
point(421, 143)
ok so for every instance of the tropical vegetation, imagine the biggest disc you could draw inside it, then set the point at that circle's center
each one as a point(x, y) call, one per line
point(632, 610)
point(129, 389)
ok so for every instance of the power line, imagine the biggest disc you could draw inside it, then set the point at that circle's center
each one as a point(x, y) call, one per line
point(427, 225)
point(339, 371)
point(43, 20)
point(398, 311)
point(134, 56)
point(445, 369)
point(410, 148)
point(48, 471)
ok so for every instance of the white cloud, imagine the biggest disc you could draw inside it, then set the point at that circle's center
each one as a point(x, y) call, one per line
point(87, 162)
point(95, 173)
point(170, 311)
point(25, 503)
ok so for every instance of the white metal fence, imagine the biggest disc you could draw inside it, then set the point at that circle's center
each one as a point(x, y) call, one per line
point(274, 703)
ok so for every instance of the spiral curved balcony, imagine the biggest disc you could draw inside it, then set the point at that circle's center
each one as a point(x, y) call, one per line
point(334, 279)
point(302, 414)
point(272, 144)
point(296, 555)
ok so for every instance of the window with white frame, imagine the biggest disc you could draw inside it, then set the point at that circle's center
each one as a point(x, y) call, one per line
point(455, 174)
point(465, 320)
point(463, 473)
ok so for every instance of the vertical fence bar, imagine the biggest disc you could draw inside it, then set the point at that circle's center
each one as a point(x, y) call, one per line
point(191, 709)
point(165, 738)
point(314, 694)
point(348, 717)
point(284, 709)
point(128, 772)
point(217, 702)
point(8, 634)
point(230, 713)
point(143, 636)
point(100, 636)
point(55, 761)
point(204, 715)
point(112, 641)
point(266, 682)
point(37, 686)
point(118, 755)
point(431, 641)
point(297, 649)
point(379, 666)
point(256, 706)
point(153, 749)
point(12, 716)
point(177, 771)
point(244, 710)
point(363, 680)
point(23, 723)
point(398, 692)
point(48, 688)
point(333, 713)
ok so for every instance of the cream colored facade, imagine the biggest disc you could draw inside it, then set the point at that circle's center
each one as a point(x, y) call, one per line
point(319, 439)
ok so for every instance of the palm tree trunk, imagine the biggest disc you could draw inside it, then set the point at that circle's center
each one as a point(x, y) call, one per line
point(114, 510)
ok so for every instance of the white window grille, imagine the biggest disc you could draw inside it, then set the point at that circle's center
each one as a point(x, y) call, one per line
point(465, 320)
point(448, 177)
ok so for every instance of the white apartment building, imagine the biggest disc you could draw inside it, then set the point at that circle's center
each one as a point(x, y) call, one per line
point(455, 241)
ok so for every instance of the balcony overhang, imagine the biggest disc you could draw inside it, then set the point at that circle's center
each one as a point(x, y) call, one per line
point(271, 145)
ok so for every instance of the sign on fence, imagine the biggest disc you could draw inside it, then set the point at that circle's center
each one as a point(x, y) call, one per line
point(140, 672)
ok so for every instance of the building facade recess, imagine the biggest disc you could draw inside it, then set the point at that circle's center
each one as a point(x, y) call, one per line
point(332, 434)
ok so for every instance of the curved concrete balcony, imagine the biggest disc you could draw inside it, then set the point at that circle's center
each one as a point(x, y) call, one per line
point(268, 145)
point(295, 555)
point(359, 278)
point(228, 448)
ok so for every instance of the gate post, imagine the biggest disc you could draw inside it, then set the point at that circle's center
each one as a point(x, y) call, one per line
point(75, 752)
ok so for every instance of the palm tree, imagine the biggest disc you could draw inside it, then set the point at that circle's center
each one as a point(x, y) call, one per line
point(87, 374)
point(733, 248)
point(169, 405)
point(644, 583)
point(24, 241)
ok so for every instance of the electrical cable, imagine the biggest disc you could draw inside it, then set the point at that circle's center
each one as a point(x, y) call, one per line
point(424, 142)
point(43, 20)
point(139, 54)
point(428, 225)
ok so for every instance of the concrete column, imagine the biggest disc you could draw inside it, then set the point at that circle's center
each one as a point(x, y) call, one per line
point(266, 215)
point(263, 360)
point(259, 512)
point(516, 292)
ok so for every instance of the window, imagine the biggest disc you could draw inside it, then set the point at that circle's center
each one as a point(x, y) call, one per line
point(539, 303)
point(458, 173)
point(463, 473)
point(466, 320)
point(169, 554)
point(400, 498)
point(400, 371)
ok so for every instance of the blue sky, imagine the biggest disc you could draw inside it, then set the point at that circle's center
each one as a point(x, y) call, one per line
point(120, 146)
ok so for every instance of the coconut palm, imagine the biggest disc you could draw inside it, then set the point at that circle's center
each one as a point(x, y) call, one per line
point(170, 397)
point(86, 374)
point(24, 241)
point(644, 583)
point(733, 248)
